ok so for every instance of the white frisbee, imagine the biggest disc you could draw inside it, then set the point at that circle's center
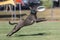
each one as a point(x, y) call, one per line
point(41, 8)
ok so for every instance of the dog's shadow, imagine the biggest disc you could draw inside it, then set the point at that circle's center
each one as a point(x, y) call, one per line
point(38, 34)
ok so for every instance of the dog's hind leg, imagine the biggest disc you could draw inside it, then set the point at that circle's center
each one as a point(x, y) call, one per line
point(16, 28)
point(28, 21)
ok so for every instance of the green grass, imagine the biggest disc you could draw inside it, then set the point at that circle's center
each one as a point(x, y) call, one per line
point(49, 31)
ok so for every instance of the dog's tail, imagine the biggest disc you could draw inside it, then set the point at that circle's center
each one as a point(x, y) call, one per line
point(12, 23)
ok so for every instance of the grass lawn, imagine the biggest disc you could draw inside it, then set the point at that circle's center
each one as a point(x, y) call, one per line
point(37, 31)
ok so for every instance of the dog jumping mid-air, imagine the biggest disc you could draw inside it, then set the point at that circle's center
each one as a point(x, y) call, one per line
point(32, 17)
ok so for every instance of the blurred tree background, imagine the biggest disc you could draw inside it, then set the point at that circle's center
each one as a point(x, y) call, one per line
point(46, 3)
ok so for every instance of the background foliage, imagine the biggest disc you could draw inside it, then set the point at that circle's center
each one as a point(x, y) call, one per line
point(46, 3)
